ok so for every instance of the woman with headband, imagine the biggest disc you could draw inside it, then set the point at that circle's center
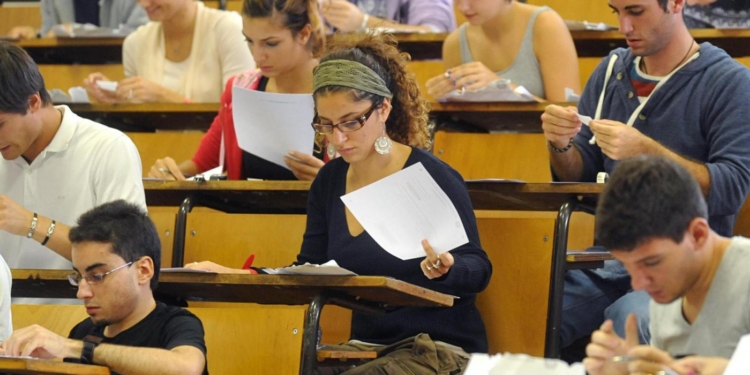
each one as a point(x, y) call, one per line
point(371, 112)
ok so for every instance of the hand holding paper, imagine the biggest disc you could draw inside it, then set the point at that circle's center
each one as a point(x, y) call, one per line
point(403, 209)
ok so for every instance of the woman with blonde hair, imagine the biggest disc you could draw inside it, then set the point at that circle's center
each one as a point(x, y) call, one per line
point(185, 54)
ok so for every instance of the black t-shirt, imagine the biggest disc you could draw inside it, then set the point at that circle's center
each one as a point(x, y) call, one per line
point(256, 167)
point(167, 327)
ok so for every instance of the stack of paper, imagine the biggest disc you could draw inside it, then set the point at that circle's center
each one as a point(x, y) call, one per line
point(330, 268)
point(497, 91)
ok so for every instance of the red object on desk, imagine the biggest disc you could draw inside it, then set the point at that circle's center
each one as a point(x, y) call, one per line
point(249, 263)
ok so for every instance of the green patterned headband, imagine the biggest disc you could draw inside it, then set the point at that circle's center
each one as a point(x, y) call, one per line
point(349, 73)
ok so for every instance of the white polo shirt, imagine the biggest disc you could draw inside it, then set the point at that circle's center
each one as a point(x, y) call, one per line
point(86, 164)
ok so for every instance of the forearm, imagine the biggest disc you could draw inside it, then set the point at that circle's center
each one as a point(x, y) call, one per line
point(568, 165)
point(147, 361)
point(58, 240)
point(379, 22)
point(698, 170)
point(188, 168)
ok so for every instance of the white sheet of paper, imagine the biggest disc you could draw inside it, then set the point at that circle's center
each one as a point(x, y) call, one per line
point(78, 95)
point(184, 270)
point(404, 208)
point(207, 174)
point(330, 268)
point(740, 362)
point(584, 119)
point(270, 125)
point(481, 363)
point(521, 364)
point(497, 91)
point(571, 96)
point(107, 85)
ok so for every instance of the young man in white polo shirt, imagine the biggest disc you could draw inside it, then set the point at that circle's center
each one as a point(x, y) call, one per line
point(55, 167)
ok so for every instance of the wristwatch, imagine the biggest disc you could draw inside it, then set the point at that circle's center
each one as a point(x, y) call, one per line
point(89, 344)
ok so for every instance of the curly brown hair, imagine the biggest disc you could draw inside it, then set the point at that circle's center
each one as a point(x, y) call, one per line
point(408, 122)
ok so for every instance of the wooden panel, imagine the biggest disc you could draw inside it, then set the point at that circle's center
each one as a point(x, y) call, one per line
point(22, 15)
point(274, 239)
point(64, 77)
point(57, 318)
point(250, 339)
point(423, 71)
point(509, 156)
point(742, 225)
point(177, 145)
point(514, 305)
point(240, 338)
point(164, 218)
point(581, 10)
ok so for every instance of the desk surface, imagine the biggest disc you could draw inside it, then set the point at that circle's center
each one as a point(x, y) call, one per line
point(425, 46)
point(48, 367)
point(232, 196)
point(262, 289)
point(249, 196)
point(148, 117)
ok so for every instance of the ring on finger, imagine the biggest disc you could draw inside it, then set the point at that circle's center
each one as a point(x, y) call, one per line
point(164, 170)
point(438, 263)
point(428, 267)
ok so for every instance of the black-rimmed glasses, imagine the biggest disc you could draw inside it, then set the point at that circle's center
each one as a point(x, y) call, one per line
point(94, 278)
point(346, 126)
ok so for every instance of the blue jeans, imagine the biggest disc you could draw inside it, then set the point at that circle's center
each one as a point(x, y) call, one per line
point(592, 296)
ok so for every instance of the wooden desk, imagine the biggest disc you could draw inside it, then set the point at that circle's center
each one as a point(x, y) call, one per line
point(48, 367)
point(518, 117)
point(74, 50)
point(286, 197)
point(362, 293)
point(151, 116)
point(563, 198)
point(600, 43)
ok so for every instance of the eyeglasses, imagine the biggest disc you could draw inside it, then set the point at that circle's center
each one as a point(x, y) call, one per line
point(346, 126)
point(94, 278)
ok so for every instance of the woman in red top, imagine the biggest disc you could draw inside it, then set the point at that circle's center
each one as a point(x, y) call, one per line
point(285, 38)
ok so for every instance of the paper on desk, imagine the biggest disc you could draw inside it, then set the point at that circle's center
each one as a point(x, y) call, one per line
point(75, 95)
point(270, 125)
point(497, 91)
point(330, 268)
point(571, 96)
point(586, 25)
point(78, 30)
point(17, 356)
point(401, 210)
point(740, 362)
point(184, 270)
point(207, 174)
point(520, 364)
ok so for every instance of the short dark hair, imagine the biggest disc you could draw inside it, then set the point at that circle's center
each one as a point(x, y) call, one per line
point(647, 197)
point(19, 79)
point(663, 4)
point(126, 227)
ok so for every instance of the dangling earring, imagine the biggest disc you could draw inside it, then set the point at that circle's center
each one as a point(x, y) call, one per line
point(331, 151)
point(383, 145)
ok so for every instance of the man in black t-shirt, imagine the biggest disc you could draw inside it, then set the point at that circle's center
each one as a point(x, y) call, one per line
point(116, 255)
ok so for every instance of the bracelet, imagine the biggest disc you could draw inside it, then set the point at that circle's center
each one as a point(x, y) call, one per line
point(33, 226)
point(560, 150)
point(49, 232)
point(365, 18)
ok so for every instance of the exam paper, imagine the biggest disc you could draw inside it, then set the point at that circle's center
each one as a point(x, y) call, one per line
point(270, 125)
point(740, 362)
point(497, 91)
point(584, 119)
point(401, 210)
point(519, 364)
point(107, 85)
point(330, 268)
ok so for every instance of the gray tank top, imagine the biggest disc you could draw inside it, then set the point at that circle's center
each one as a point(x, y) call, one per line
point(525, 69)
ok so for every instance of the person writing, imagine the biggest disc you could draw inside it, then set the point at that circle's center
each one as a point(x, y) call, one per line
point(187, 53)
point(370, 109)
point(285, 37)
point(505, 39)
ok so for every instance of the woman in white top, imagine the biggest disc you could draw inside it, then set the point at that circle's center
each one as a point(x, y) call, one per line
point(185, 54)
point(529, 45)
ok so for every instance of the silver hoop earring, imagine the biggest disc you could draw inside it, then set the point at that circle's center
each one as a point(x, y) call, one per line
point(383, 145)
